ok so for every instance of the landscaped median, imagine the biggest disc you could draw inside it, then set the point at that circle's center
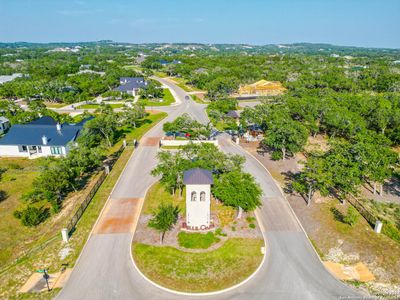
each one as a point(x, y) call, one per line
point(200, 272)
point(197, 262)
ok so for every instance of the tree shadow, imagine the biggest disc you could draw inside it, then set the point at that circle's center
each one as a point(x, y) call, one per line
point(3, 196)
point(337, 214)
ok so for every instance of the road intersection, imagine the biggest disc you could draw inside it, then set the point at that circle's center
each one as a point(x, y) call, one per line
point(292, 269)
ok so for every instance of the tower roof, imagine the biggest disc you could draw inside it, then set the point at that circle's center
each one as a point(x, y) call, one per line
point(197, 176)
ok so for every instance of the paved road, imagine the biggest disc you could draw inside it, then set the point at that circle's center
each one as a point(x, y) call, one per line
point(104, 271)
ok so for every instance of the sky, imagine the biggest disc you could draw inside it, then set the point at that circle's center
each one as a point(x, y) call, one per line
point(368, 23)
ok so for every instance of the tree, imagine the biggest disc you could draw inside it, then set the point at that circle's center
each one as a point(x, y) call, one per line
point(104, 125)
point(285, 135)
point(238, 189)
point(314, 176)
point(164, 219)
point(132, 114)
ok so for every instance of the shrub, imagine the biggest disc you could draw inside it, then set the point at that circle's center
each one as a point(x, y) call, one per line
point(351, 217)
point(233, 228)
point(197, 240)
point(32, 216)
point(219, 232)
point(391, 231)
point(250, 219)
point(276, 155)
point(252, 226)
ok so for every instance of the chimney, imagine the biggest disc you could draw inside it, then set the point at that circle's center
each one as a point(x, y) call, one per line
point(58, 127)
point(44, 140)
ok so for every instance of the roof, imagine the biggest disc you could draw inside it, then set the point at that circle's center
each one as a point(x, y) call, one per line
point(32, 133)
point(232, 114)
point(131, 83)
point(4, 119)
point(43, 121)
point(197, 176)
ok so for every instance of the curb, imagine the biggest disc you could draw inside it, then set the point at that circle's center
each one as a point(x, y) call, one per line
point(297, 219)
point(208, 293)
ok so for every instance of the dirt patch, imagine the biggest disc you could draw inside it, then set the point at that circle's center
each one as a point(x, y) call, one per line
point(119, 216)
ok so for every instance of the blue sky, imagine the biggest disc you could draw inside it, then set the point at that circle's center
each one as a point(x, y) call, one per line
point(370, 23)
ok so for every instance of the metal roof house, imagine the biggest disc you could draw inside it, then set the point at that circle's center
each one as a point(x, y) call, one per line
point(131, 85)
point(41, 137)
point(4, 124)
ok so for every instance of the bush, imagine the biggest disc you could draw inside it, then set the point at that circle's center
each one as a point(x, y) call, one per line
point(197, 240)
point(32, 216)
point(351, 217)
point(250, 219)
point(391, 231)
point(276, 155)
point(252, 226)
point(219, 232)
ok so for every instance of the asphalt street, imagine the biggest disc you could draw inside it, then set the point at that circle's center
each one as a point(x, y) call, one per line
point(292, 269)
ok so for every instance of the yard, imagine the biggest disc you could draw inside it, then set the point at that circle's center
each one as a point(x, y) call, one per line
point(49, 255)
point(167, 99)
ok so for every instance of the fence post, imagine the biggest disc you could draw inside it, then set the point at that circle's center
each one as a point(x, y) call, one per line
point(107, 169)
point(124, 143)
point(64, 234)
point(378, 226)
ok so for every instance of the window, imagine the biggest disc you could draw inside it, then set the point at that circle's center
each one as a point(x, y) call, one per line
point(55, 150)
point(194, 196)
point(202, 196)
point(23, 148)
point(39, 149)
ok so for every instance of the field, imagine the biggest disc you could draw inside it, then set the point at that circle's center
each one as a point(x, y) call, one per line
point(157, 192)
point(168, 99)
point(226, 266)
point(12, 278)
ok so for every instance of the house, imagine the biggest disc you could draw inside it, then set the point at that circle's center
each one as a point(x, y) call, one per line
point(4, 124)
point(41, 137)
point(198, 199)
point(131, 85)
point(262, 88)
point(6, 78)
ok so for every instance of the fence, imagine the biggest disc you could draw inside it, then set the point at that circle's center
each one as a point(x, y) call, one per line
point(78, 214)
point(367, 215)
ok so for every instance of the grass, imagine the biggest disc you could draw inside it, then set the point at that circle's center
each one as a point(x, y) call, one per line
point(171, 147)
point(17, 274)
point(95, 106)
point(197, 240)
point(168, 99)
point(226, 266)
point(157, 194)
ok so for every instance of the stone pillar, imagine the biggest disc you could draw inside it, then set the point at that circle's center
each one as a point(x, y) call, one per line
point(378, 227)
point(64, 234)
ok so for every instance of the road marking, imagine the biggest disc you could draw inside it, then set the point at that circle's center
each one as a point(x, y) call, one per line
point(151, 141)
point(119, 216)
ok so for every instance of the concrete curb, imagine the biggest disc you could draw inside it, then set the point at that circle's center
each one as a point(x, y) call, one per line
point(202, 294)
point(297, 219)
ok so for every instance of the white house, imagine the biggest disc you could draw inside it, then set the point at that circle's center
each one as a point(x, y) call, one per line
point(4, 124)
point(198, 194)
point(41, 137)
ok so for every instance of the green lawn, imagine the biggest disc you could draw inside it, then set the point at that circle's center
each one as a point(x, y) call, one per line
point(197, 240)
point(157, 194)
point(48, 256)
point(95, 106)
point(168, 100)
point(210, 271)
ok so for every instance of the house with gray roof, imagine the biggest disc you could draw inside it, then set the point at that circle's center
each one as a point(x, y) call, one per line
point(131, 85)
point(4, 124)
point(41, 137)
